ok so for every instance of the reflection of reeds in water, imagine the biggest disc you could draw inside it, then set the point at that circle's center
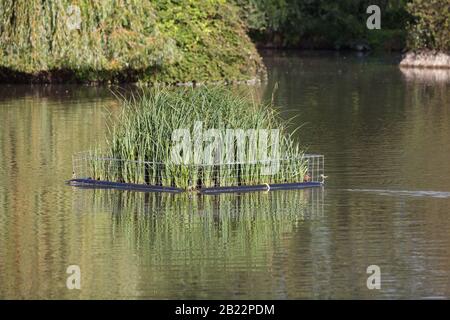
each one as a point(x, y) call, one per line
point(173, 222)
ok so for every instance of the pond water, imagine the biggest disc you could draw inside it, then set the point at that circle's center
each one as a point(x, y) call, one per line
point(386, 137)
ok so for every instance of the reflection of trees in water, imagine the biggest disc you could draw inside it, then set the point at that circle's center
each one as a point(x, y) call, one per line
point(61, 93)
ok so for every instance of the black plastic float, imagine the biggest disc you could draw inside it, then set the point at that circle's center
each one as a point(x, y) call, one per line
point(91, 183)
point(261, 187)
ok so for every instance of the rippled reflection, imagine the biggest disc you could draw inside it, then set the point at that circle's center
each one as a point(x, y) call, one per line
point(427, 76)
point(180, 245)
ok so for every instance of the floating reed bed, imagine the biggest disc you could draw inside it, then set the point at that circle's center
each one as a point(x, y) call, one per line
point(139, 147)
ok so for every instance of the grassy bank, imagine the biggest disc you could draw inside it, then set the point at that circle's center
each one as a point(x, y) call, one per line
point(150, 41)
point(144, 133)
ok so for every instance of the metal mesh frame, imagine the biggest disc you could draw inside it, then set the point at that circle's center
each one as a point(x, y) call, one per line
point(88, 165)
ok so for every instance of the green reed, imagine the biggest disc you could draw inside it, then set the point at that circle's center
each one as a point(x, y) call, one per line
point(139, 146)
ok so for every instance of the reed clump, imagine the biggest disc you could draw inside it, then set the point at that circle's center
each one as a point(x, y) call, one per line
point(140, 147)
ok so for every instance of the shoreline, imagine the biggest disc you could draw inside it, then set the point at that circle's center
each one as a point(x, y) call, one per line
point(59, 77)
point(412, 60)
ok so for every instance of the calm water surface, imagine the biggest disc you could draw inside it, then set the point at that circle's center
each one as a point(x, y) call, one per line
point(386, 137)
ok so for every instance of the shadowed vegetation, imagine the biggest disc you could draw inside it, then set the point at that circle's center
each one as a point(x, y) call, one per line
point(324, 24)
point(430, 28)
point(157, 41)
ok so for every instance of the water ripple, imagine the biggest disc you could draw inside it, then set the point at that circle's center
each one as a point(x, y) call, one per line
point(407, 193)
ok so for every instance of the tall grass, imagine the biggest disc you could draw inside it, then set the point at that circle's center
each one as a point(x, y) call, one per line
point(139, 147)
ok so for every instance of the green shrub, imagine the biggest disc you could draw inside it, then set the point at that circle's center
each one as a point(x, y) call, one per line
point(212, 40)
point(430, 28)
point(125, 40)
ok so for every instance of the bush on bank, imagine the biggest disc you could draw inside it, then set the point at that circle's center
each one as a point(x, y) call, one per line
point(159, 41)
point(430, 29)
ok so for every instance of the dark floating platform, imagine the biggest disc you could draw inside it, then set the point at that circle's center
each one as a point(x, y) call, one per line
point(101, 184)
point(261, 187)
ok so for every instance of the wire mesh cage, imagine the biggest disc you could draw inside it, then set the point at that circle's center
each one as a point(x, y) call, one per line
point(308, 168)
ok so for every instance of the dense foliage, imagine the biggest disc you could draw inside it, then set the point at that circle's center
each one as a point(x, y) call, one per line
point(431, 26)
point(323, 23)
point(212, 40)
point(196, 40)
point(164, 41)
